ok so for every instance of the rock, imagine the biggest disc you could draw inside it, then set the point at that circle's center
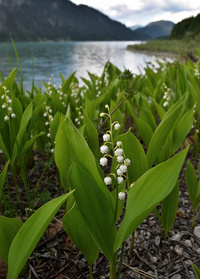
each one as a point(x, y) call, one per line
point(198, 250)
point(188, 243)
point(176, 237)
point(176, 276)
point(178, 250)
point(197, 231)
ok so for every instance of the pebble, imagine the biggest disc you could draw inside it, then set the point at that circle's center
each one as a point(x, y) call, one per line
point(188, 243)
point(178, 250)
point(176, 237)
point(198, 250)
point(176, 276)
point(197, 231)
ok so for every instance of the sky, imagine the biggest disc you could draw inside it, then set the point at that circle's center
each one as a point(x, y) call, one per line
point(142, 12)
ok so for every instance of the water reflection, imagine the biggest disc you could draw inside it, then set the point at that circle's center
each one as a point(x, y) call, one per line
point(66, 57)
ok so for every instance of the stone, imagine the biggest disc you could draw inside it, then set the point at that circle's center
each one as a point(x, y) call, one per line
point(197, 231)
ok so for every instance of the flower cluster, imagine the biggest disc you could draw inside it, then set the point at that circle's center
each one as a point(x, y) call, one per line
point(166, 96)
point(194, 126)
point(118, 153)
point(7, 104)
point(75, 92)
point(196, 71)
point(49, 118)
point(98, 84)
point(80, 116)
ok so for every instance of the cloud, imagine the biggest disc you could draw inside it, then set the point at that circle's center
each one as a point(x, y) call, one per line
point(142, 12)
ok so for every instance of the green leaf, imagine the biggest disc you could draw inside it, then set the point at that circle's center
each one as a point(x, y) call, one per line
point(192, 184)
point(2, 178)
point(143, 127)
point(4, 148)
point(134, 151)
point(30, 142)
point(161, 133)
point(28, 236)
point(95, 209)
point(91, 135)
point(8, 229)
point(24, 122)
point(63, 155)
point(181, 130)
point(148, 191)
point(196, 270)
point(76, 228)
point(161, 111)
point(83, 156)
point(169, 209)
point(67, 83)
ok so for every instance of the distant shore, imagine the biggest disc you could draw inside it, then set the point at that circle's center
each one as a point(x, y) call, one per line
point(164, 54)
point(168, 48)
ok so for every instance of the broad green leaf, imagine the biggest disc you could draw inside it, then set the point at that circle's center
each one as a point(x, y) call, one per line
point(175, 107)
point(169, 209)
point(147, 116)
point(134, 151)
point(91, 135)
point(63, 155)
point(4, 148)
point(28, 236)
point(24, 122)
point(8, 230)
point(196, 270)
point(148, 191)
point(54, 125)
point(75, 227)
point(83, 156)
point(192, 184)
point(161, 111)
point(95, 209)
point(143, 127)
point(181, 130)
point(161, 133)
point(30, 142)
point(67, 83)
point(2, 178)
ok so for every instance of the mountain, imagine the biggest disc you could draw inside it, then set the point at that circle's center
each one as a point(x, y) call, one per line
point(154, 30)
point(134, 27)
point(187, 28)
point(33, 20)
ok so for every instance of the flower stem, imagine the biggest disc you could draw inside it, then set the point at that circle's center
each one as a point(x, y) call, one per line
point(112, 271)
point(91, 275)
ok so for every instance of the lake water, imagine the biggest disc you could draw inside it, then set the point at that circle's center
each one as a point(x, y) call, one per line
point(49, 58)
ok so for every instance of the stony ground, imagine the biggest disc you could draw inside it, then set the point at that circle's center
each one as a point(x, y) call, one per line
point(54, 257)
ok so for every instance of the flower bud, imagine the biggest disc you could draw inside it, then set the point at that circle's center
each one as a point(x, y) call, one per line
point(106, 137)
point(103, 161)
point(120, 180)
point(119, 152)
point(120, 159)
point(121, 195)
point(117, 126)
point(107, 180)
point(104, 149)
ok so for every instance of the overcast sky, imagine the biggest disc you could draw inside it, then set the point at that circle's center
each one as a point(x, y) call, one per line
point(142, 12)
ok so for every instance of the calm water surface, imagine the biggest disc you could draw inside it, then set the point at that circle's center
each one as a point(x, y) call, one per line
point(49, 58)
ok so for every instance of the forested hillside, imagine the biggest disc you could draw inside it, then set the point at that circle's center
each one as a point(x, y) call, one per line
point(34, 20)
point(189, 27)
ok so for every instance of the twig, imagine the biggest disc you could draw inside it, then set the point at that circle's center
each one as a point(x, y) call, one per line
point(139, 271)
point(118, 105)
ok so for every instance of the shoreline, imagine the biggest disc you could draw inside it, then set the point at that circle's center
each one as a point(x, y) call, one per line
point(164, 54)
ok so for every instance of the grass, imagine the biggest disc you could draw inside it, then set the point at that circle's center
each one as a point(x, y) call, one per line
point(180, 47)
